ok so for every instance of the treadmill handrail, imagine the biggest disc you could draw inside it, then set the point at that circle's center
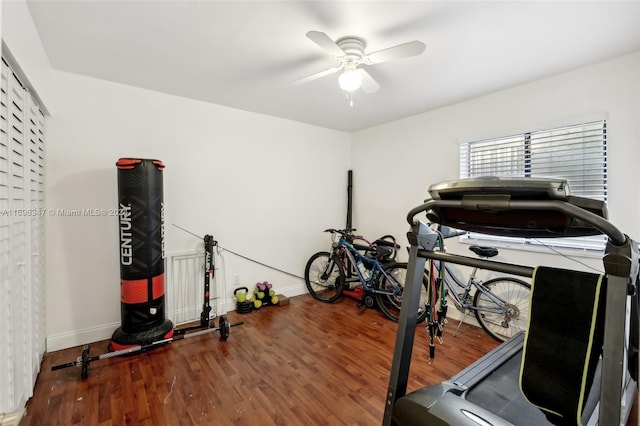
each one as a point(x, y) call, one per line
point(616, 237)
point(621, 264)
point(475, 262)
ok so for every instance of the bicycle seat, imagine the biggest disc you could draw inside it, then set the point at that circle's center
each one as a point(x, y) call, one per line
point(484, 251)
point(382, 253)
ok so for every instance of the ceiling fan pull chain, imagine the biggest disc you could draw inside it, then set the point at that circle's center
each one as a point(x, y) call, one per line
point(349, 98)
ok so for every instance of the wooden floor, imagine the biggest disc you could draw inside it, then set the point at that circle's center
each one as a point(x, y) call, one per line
point(306, 363)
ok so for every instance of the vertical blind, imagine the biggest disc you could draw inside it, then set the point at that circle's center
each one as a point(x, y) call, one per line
point(577, 153)
point(22, 333)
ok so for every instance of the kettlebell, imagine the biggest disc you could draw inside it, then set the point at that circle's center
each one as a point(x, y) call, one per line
point(243, 305)
point(240, 294)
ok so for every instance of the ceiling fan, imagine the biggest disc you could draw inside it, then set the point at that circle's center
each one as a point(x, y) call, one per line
point(350, 54)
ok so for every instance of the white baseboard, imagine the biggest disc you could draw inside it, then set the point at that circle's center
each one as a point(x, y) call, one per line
point(57, 342)
point(61, 341)
point(11, 419)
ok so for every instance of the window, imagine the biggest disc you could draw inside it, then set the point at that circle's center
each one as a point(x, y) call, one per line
point(577, 153)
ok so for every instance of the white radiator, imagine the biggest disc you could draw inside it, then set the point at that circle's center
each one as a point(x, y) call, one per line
point(184, 287)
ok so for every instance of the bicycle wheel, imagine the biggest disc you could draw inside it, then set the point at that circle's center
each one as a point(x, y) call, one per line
point(324, 277)
point(389, 292)
point(503, 310)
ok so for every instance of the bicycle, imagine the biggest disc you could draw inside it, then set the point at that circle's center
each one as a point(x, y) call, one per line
point(501, 304)
point(327, 274)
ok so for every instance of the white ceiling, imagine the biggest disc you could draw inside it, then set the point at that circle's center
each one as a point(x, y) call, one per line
point(245, 54)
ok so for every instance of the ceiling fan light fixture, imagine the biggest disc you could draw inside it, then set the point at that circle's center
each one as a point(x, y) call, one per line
point(349, 53)
point(350, 80)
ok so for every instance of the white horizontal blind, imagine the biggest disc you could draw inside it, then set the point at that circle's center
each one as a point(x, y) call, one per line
point(493, 157)
point(577, 153)
point(21, 241)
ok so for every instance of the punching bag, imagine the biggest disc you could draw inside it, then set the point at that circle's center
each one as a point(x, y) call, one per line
point(141, 254)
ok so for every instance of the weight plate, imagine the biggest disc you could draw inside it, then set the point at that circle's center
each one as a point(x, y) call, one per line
point(84, 373)
point(224, 327)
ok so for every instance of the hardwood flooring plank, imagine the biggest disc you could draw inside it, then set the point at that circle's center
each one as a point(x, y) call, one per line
point(307, 363)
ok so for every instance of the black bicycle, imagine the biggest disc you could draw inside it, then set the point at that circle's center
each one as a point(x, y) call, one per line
point(328, 274)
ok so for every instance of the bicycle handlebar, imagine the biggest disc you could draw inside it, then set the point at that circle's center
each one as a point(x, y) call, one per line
point(345, 232)
point(374, 247)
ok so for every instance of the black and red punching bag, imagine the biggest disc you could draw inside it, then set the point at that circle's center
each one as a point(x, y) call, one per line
point(141, 254)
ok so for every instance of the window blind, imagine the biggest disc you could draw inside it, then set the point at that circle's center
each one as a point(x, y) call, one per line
point(577, 153)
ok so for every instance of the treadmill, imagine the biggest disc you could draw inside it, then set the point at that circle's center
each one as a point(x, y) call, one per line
point(487, 392)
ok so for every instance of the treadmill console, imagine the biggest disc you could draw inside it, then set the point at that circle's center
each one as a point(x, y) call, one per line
point(516, 188)
point(514, 207)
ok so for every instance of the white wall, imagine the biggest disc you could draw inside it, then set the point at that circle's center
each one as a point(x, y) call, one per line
point(21, 43)
point(266, 187)
point(262, 186)
point(396, 162)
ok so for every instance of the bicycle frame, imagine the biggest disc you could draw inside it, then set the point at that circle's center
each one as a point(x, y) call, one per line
point(377, 271)
point(471, 283)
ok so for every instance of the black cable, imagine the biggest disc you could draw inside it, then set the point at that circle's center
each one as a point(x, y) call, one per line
point(566, 256)
point(244, 257)
point(261, 264)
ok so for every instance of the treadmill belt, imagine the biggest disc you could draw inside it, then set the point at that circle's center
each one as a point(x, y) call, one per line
point(500, 394)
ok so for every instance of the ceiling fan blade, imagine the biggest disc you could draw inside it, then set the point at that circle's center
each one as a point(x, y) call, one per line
point(369, 85)
point(325, 42)
point(404, 50)
point(316, 76)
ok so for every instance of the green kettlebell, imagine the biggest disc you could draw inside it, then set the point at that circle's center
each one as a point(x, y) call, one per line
point(240, 294)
